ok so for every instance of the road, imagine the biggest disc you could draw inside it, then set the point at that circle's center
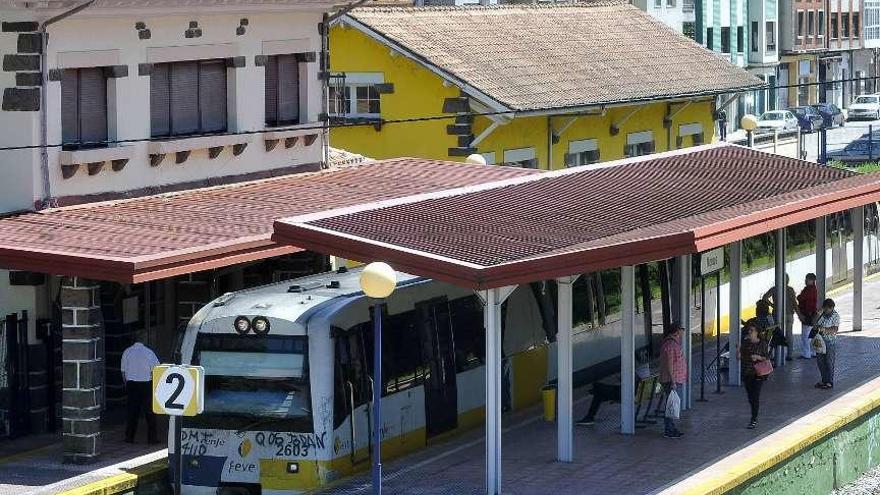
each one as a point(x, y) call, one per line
point(840, 136)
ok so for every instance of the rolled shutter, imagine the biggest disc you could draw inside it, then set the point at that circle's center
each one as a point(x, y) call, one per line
point(272, 91)
point(70, 107)
point(160, 110)
point(93, 106)
point(288, 89)
point(184, 100)
point(212, 95)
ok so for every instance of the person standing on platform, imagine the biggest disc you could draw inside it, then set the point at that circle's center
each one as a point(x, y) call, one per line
point(753, 350)
point(137, 369)
point(673, 371)
point(790, 308)
point(808, 311)
point(827, 326)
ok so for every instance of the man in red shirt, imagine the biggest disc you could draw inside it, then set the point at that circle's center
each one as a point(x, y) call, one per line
point(808, 301)
point(673, 370)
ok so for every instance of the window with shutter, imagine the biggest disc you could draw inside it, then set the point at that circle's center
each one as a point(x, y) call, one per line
point(282, 90)
point(83, 108)
point(582, 152)
point(188, 98)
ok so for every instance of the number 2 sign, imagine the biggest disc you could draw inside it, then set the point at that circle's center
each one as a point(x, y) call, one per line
point(178, 390)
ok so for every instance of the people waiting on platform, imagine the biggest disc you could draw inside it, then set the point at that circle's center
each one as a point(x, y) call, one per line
point(673, 371)
point(754, 356)
point(609, 390)
point(808, 312)
point(825, 343)
point(765, 323)
point(783, 342)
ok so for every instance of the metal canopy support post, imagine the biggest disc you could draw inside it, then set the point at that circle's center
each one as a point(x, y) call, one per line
point(564, 385)
point(735, 313)
point(821, 260)
point(858, 225)
point(779, 309)
point(683, 264)
point(627, 351)
point(493, 299)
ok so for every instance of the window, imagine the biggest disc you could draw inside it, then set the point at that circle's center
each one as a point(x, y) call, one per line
point(770, 36)
point(811, 22)
point(844, 25)
point(357, 97)
point(468, 332)
point(694, 131)
point(689, 29)
point(687, 6)
point(740, 41)
point(710, 39)
point(800, 24)
point(521, 157)
point(754, 36)
point(639, 143)
point(725, 40)
point(489, 156)
point(834, 30)
point(820, 29)
point(83, 108)
point(282, 90)
point(670, 3)
point(658, 4)
point(855, 24)
point(188, 98)
point(583, 152)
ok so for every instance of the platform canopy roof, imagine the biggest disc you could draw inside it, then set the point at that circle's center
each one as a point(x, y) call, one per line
point(585, 219)
point(155, 237)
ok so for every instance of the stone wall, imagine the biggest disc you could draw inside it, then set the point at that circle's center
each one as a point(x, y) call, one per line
point(83, 369)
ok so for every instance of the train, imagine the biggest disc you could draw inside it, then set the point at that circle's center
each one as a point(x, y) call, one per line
point(288, 385)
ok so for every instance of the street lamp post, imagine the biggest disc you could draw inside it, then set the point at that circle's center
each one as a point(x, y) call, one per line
point(378, 281)
point(749, 123)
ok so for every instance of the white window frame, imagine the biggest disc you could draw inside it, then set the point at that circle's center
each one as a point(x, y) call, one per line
point(800, 18)
point(637, 139)
point(579, 152)
point(692, 129)
point(523, 157)
point(820, 23)
point(353, 81)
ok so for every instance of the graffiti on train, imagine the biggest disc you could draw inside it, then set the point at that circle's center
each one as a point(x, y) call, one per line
point(291, 444)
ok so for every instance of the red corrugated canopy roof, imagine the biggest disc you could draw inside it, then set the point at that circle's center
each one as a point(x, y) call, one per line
point(155, 237)
point(590, 218)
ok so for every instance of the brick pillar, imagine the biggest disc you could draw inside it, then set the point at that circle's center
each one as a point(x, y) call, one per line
point(82, 355)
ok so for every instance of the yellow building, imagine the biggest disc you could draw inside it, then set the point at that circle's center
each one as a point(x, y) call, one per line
point(528, 85)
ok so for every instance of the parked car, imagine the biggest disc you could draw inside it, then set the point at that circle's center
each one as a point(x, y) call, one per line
point(832, 115)
point(780, 120)
point(808, 118)
point(864, 107)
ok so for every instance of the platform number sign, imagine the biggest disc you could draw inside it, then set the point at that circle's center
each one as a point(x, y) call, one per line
point(178, 390)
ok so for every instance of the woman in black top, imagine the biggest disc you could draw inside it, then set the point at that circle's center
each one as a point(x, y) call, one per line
point(753, 349)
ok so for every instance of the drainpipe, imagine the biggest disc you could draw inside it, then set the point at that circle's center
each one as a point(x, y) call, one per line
point(48, 200)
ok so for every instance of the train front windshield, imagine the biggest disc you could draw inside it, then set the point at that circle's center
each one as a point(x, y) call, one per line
point(255, 382)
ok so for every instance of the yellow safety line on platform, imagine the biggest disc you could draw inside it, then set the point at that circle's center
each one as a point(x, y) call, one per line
point(743, 465)
point(119, 483)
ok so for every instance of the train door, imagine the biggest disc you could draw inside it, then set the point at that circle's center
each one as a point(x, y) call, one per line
point(355, 386)
point(438, 354)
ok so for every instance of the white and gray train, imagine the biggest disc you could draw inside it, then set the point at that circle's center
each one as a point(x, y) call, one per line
point(288, 376)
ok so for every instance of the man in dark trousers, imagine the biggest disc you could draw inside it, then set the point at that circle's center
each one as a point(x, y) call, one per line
point(721, 116)
point(137, 368)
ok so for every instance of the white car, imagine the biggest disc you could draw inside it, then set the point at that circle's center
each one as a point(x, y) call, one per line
point(780, 120)
point(864, 107)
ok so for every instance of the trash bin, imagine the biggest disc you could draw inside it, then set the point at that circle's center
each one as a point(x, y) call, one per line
point(548, 395)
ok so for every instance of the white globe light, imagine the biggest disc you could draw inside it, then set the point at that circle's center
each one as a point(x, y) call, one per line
point(378, 280)
point(476, 158)
point(749, 122)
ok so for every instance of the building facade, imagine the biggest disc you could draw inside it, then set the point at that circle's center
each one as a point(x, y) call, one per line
point(677, 14)
point(172, 95)
point(550, 115)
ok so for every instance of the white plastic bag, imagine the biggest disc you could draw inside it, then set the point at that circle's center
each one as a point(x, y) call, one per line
point(673, 405)
point(818, 344)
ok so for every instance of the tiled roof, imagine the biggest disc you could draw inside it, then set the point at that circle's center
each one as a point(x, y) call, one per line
point(581, 220)
point(158, 236)
point(555, 55)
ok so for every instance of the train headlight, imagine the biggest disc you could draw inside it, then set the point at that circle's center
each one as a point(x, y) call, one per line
point(292, 467)
point(242, 325)
point(260, 325)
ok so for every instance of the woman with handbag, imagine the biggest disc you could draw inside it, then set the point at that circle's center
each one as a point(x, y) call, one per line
point(754, 354)
point(827, 326)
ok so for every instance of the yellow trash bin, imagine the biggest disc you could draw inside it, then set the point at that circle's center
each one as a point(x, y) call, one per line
point(548, 395)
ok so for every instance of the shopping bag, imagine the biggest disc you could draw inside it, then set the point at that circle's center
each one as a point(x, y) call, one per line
point(818, 344)
point(673, 405)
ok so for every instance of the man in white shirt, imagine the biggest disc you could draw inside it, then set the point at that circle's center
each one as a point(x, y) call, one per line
point(137, 368)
